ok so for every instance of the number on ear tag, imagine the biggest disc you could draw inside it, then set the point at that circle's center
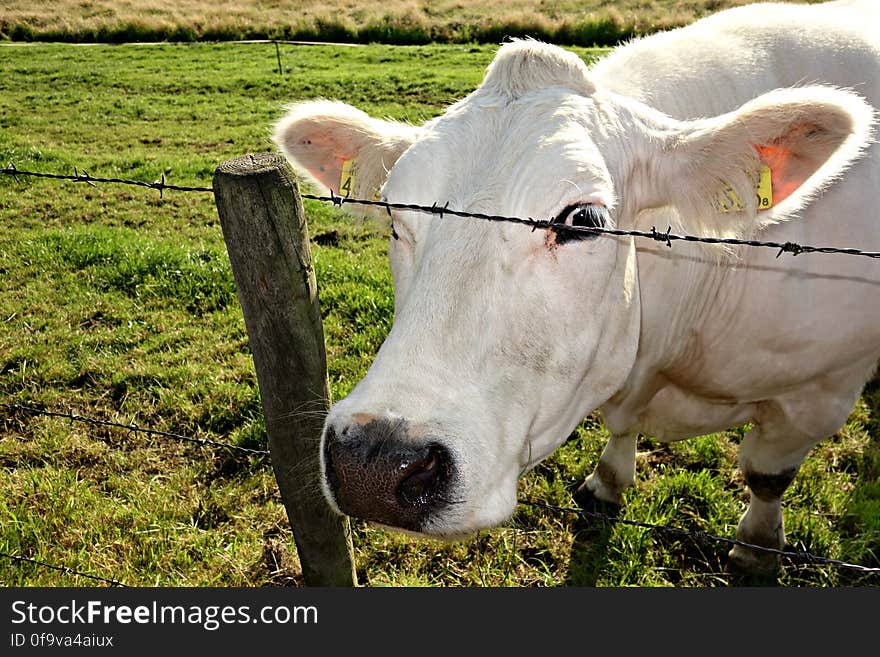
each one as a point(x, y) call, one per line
point(347, 177)
point(728, 201)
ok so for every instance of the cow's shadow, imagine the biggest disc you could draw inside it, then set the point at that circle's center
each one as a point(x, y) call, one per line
point(591, 552)
point(589, 549)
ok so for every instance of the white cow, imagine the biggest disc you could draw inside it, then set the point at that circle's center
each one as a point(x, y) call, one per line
point(504, 338)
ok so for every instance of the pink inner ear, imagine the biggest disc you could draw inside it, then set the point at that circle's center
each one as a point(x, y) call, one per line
point(795, 156)
point(322, 156)
point(779, 159)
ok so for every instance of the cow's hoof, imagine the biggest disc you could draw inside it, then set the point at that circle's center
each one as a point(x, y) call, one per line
point(589, 502)
point(747, 567)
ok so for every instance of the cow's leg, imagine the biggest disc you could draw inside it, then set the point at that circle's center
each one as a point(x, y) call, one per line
point(769, 457)
point(615, 471)
point(769, 464)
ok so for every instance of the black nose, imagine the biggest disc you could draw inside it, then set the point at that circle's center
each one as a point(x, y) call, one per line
point(377, 472)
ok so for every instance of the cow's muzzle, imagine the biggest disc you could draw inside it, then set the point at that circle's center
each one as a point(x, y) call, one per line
point(378, 472)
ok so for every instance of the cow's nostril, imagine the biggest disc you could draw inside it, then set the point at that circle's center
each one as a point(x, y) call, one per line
point(421, 479)
point(329, 469)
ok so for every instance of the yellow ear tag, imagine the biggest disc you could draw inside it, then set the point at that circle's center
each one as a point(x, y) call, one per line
point(728, 201)
point(347, 177)
point(765, 189)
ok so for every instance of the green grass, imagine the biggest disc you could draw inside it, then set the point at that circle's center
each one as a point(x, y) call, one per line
point(118, 304)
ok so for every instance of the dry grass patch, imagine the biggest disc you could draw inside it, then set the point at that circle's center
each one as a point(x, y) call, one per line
point(586, 22)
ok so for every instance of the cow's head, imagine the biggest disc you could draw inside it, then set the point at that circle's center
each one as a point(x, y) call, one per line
point(504, 338)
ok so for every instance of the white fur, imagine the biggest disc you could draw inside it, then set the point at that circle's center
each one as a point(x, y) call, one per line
point(503, 340)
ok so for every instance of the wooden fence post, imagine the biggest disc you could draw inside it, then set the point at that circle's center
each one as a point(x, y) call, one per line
point(265, 230)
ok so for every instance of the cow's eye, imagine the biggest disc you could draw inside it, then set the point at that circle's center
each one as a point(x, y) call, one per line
point(587, 215)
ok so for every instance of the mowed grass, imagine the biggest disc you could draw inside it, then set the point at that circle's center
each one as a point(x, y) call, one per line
point(118, 304)
point(572, 22)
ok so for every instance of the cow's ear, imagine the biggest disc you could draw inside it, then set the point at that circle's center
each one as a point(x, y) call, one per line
point(341, 148)
point(730, 174)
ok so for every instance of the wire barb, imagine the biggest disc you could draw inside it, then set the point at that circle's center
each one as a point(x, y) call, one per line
point(438, 209)
point(662, 237)
point(790, 247)
point(86, 178)
point(13, 171)
point(160, 185)
point(336, 200)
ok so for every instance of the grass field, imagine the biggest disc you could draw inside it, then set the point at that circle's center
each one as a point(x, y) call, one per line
point(571, 22)
point(118, 304)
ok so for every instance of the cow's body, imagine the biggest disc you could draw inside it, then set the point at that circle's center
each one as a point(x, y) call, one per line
point(727, 313)
point(491, 320)
point(717, 64)
point(784, 343)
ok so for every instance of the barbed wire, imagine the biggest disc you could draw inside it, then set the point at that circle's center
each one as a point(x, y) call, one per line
point(83, 176)
point(796, 556)
point(666, 237)
point(800, 556)
point(132, 427)
point(63, 569)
